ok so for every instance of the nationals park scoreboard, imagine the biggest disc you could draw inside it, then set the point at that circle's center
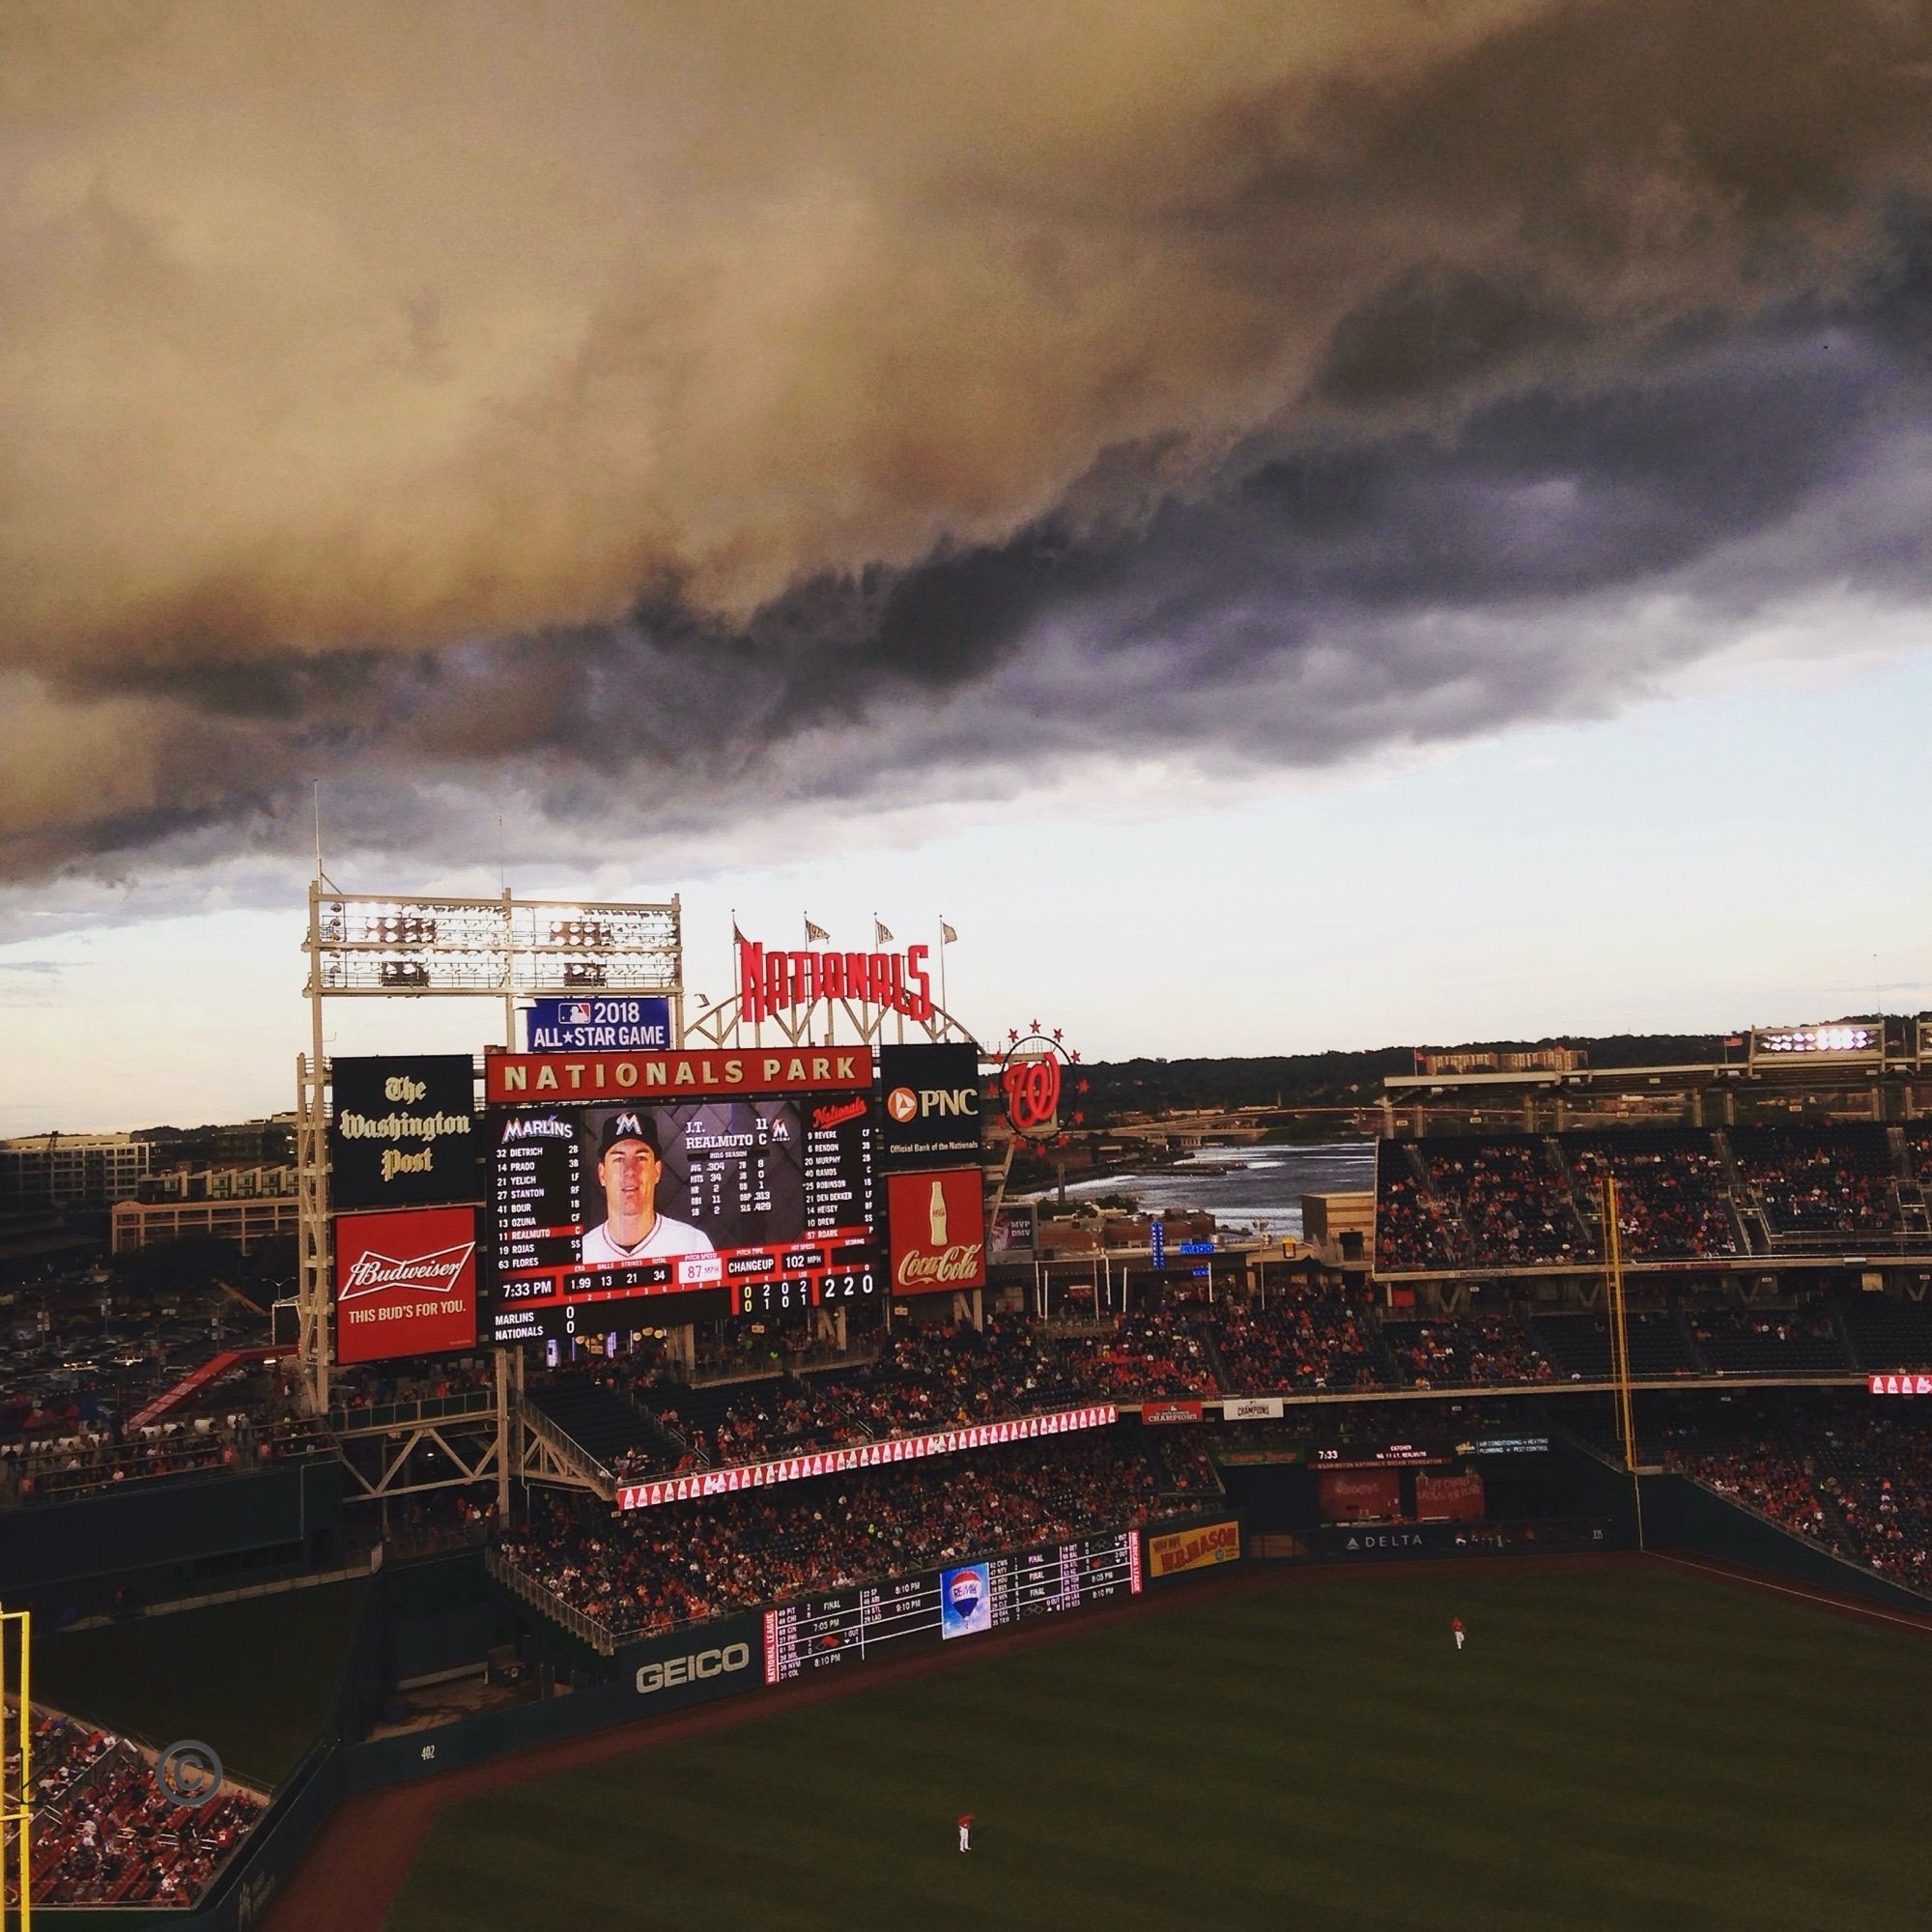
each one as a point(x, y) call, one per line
point(765, 1194)
point(935, 1605)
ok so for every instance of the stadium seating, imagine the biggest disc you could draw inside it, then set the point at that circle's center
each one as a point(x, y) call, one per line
point(1887, 1334)
point(105, 1833)
point(652, 1569)
point(1322, 1338)
point(1511, 1200)
point(1817, 1182)
point(1445, 1352)
point(1768, 1342)
point(1673, 1193)
point(1578, 1345)
point(609, 1428)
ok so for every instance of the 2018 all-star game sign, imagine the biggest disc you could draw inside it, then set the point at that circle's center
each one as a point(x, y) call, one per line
point(404, 1131)
point(404, 1283)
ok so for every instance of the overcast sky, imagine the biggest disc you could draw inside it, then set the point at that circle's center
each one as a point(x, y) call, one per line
point(1291, 527)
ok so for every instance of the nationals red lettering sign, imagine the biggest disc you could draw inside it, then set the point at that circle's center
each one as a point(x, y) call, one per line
point(775, 982)
point(938, 1230)
point(404, 1283)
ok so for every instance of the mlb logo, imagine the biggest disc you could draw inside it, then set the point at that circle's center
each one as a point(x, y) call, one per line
point(573, 1012)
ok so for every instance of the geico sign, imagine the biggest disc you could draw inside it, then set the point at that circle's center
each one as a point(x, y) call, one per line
point(906, 1104)
point(675, 1670)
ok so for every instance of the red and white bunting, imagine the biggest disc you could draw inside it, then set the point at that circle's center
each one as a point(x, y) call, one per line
point(1913, 1384)
point(865, 1456)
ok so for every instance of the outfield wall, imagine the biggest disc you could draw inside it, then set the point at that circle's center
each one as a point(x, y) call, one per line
point(1683, 1514)
point(656, 1677)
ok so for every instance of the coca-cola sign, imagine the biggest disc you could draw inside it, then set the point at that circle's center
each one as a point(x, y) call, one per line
point(404, 1283)
point(937, 1226)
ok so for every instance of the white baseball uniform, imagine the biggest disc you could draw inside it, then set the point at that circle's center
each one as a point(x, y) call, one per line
point(666, 1237)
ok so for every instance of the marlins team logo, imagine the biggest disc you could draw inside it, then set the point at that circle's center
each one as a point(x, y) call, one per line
point(965, 1601)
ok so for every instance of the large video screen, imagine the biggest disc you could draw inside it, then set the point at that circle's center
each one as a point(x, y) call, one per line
point(645, 1209)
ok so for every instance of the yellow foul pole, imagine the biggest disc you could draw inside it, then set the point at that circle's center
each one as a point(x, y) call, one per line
point(17, 1806)
point(1620, 1361)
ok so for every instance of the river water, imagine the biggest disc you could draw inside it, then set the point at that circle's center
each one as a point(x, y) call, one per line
point(1257, 1188)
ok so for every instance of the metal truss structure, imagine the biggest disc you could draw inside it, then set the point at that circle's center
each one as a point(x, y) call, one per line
point(392, 946)
point(816, 1023)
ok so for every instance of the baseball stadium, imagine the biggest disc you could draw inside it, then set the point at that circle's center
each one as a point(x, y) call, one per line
point(666, 1470)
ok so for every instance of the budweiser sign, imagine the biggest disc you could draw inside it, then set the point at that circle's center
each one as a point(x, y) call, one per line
point(404, 1283)
point(938, 1225)
point(775, 982)
point(439, 1273)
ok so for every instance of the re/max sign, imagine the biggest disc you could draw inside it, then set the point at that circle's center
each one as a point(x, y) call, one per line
point(589, 1076)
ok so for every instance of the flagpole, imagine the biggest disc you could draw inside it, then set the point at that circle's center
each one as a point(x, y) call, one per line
point(943, 1007)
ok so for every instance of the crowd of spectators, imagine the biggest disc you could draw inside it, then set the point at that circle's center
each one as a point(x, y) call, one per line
point(1413, 1229)
point(105, 1833)
point(1852, 1475)
point(1512, 1202)
point(1463, 1351)
point(653, 1569)
point(937, 1376)
point(1148, 1355)
point(775, 1417)
point(1876, 1470)
point(1513, 1205)
point(73, 1465)
point(1321, 1337)
point(1187, 1468)
point(1673, 1194)
point(353, 1390)
point(1817, 1182)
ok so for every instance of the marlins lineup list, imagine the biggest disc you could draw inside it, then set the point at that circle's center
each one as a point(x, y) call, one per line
point(818, 1632)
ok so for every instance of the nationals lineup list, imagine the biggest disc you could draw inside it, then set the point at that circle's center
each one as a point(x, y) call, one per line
point(818, 1632)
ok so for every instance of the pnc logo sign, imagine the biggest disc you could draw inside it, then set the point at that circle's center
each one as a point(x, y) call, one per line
point(908, 1104)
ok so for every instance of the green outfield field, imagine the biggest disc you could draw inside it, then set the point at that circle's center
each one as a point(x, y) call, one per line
point(1617, 1747)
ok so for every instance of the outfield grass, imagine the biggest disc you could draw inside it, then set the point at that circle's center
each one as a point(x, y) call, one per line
point(1617, 1747)
point(255, 1678)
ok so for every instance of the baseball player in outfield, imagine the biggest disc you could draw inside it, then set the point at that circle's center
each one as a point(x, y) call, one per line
point(1456, 1626)
point(966, 1831)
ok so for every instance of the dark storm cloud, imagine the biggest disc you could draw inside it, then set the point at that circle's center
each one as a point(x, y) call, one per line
point(632, 432)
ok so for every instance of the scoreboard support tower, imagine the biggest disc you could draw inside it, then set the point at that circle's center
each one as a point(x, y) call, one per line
point(389, 946)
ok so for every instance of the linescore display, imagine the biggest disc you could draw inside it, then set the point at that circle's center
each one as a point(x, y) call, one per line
point(935, 1605)
point(749, 1192)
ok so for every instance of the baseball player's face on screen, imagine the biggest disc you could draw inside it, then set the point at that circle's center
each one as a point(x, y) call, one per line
point(630, 1173)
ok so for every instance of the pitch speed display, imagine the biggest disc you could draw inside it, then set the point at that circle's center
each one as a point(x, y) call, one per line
point(887, 1619)
point(703, 1185)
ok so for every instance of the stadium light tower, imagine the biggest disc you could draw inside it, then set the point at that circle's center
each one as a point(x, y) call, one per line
point(384, 946)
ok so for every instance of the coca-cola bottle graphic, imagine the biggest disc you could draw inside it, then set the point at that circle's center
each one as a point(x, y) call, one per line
point(936, 1215)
